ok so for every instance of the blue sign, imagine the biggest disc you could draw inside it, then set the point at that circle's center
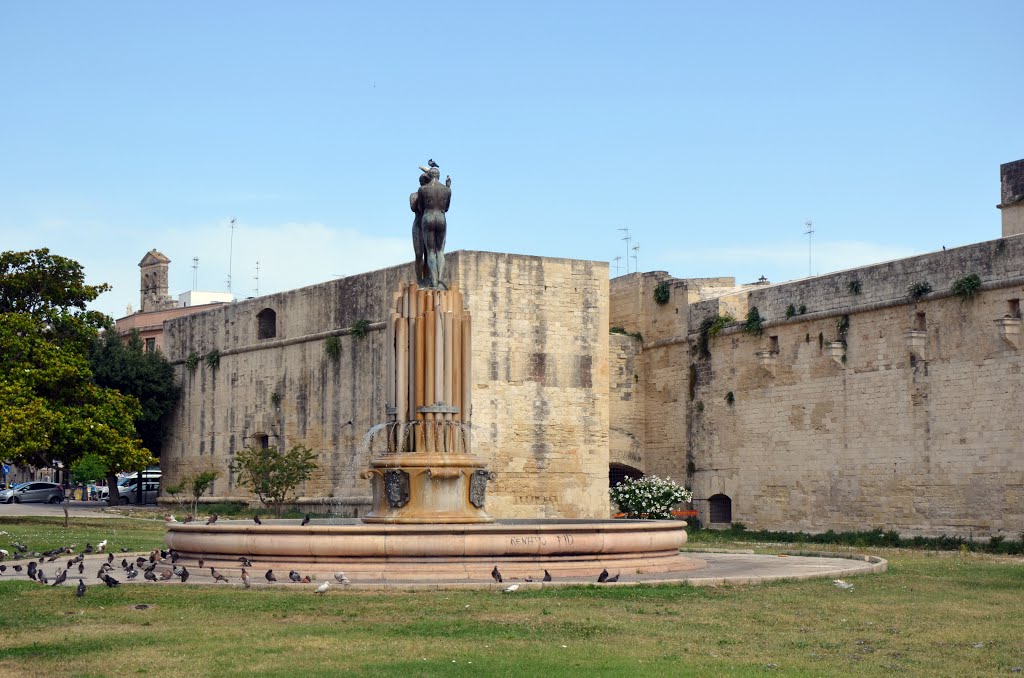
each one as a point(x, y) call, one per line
point(6, 469)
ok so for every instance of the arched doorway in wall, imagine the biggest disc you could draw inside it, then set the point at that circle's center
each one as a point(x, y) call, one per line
point(619, 472)
point(720, 509)
point(266, 324)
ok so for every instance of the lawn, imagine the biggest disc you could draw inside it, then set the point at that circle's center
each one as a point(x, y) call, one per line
point(933, 613)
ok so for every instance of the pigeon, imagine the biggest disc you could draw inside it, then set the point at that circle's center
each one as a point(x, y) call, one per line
point(547, 576)
point(612, 580)
point(61, 578)
point(188, 519)
point(322, 589)
point(175, 557)
point(432, 163)
point(41, 577)
point(212, 519)
point(170, 518)
point(307, 580)
point(32, 568)
point(495, 575)
point(295, 576)
point(256, 519)
point(132, 574)
point(846, 586)
point(110, 581)
point(165, 575)
point(124, 563)
point(4, 553)
point(3, 568)
point(270, 576)
point(51, 559)
point(102, 546)
point(140, 561)
point(80, 591)
point(200, 563)
point(149, 576)
point(110, 557)
point(163, 554)
point(341, 578)
point(88, 547)
point(217, 576)
point(603, 577)
point(178, 570)
point(17, 568)
point(184, 575)
point(512, 589)
point(246, 579)
point(245, 562)
point(81, 567)
point(305, 521)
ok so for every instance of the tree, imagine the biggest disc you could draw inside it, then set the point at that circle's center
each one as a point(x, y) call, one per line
point(273, 476)
point(51, 409)
point(197, 485)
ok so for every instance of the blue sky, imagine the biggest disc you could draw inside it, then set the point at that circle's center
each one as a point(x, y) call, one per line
point(712, 131)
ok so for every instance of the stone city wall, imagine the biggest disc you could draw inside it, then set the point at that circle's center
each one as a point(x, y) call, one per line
point(540, 367)
point(914, 424)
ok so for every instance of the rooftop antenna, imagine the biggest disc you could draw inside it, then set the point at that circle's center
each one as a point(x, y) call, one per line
point(617, 265)
point(627, 239)
point(257, 277)
point(809, 226)
point(636, 257)
point(231, 252)
point(195, 272)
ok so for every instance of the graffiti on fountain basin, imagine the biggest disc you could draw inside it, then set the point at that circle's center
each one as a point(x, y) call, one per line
point(541, 540)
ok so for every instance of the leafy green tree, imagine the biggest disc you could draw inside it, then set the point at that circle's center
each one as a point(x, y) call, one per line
point(89, 468)
point(51, 409)
point(273, 476)
point(197, 485)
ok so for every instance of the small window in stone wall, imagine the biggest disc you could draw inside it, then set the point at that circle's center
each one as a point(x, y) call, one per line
point(920, 321)
point(262, 441)
point(150, 345)
point(720, 506)
point(1013, 308)
point(266, 324)
point(619, 472)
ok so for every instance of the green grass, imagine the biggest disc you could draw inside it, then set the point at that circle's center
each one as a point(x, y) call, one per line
point(41, 533)
point(923, 617)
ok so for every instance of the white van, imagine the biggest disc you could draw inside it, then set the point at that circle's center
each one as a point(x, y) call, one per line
point(129, 486)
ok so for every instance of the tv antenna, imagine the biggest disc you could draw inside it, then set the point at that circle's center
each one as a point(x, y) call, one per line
point(195, 273)
point(231, 251)
point(617, 265)
point(628, 240)
point(809, 229)
point(257, 277)
point(636, 258)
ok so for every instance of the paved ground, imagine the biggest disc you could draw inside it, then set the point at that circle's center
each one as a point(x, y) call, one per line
point(722, 568)
point(93, 509)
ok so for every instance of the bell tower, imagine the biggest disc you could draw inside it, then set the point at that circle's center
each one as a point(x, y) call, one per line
point(153, 283)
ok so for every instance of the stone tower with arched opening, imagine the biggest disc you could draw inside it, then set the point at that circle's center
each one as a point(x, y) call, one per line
point(153, 282)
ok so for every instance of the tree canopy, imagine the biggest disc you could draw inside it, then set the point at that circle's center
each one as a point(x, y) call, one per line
point(51, 408)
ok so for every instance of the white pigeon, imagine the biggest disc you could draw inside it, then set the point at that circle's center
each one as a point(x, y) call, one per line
point(847, 586)
point(341, 578)
point(512, 589)
point(4, 553)
point(322, 589)
point(101, 547)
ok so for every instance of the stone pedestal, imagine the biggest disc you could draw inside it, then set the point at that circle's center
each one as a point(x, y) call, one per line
point(422, 469)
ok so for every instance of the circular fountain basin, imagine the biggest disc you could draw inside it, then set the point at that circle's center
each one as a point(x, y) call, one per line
point(441, 552)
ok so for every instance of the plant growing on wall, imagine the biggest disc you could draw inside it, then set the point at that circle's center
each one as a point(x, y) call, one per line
point(710, 329)
point(360, 328)
point(753, 323)
point(649, 497)
point(332, 348)
point(212, 359)
point(842, 326)
point(661, 293)
point(853, 287)
point(790, 311)
point(275, 398)
point(918, 289)
point(622, 330)
point(273, 476)
point(192, 361)
point(730, 398)
point(966, 287)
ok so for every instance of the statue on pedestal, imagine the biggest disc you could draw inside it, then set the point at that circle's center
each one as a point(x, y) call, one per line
point(429, 227)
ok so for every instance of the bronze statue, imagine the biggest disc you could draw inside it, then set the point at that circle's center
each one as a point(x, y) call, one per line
point(430, 203)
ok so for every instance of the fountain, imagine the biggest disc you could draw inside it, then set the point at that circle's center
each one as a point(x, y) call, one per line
point(428, 521)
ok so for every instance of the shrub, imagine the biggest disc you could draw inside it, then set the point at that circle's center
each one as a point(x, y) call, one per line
point(661, 293)
point(213, 359)
point(853, 286)
point(966, 287)
point(192, 361)
point(710, 328)
point(196, 485)
point(271, 475)
point(752, 325)
point(649, 497)
point(790, 311)
point(360, 328)
point(918, 289)
point(332, 348)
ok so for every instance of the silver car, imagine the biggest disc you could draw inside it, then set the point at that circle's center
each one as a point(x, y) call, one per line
point(36, 490)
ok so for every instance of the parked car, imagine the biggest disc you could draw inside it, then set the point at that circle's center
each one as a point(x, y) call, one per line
point(123, 483)
point(127, 490)
point(51, 493)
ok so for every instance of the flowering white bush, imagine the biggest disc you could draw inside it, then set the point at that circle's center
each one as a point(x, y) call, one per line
point(649, 497)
